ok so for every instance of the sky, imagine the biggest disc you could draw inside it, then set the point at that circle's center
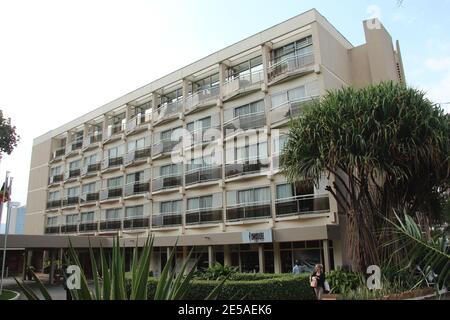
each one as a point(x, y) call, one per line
point(60, 59)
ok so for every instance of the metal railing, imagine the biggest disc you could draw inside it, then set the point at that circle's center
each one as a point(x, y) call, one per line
point(290, 64)
point(107, 225)
point(69, 228)
point(164, 146)
point(56, 179)
point(203, 216)
point(202, 97)
point(166, 220)
point(247, 211)
point(136, 222)
point(252, 166)
point(91, 168)
point(136, 188)
point(111, 193)
point(289, 109)
point(52, 230)
point(307, 204)
point(89, 197)
point(242, 82)
point(71, 201)
point(203, 135)
point(54, 204)
point(59, 153)
point(167, 182)
point(114, 129)
point(112, 162)
point(139, 119)
point(205, 174)
point(71, 174)
point(136, 155)
point(168, 110)
point(92, 139)
point(245, 122)
point(87, 227)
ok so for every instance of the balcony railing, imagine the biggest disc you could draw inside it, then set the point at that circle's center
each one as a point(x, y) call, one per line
point(240, 169)
point(91, 169)
point(242, 82)
point(136, 188)
point(109, 225)
point(69, 228)
point(163, 147)
point(88, 227)
point(53, 204)
point(245, 122)
point(204, 216)
point(58, 153)
point(52, 230)
point(202, 98)
point(167, 182)
point(92, 139)
point(203, 175)
point(111, 193)
point(136, 222)
point(71, 201)
point(114, 129)
point(288, 110)
point(89, 197)
point(56, 179)
point(109, 163)
point(202, 136)
point(74, 146)
point(137, 155)
point(168, 110)
point(248, 211)
point(166, 220)
point(308, 204)
point(138, 120)
point(290, 65)
point(72, 174)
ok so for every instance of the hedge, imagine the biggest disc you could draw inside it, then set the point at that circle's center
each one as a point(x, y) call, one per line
point(254, 287)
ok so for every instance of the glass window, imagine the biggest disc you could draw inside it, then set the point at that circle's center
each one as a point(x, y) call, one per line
point(135, 177)
point(113, 214)
point(88, 188)
point(254, 107)
point(87, 217)
point(52, 221)
point(284, 191)
point(205, 202)
point(53, 196)
point(279, 144)
point(133, 212)
point(73, 192)
point(55, 171)
point(71, 219)
point(115, 182)
point(74, 165)
point(136, 145)
point(253, 195)
point(297, 94)
point(171, 207)
point(89, 160)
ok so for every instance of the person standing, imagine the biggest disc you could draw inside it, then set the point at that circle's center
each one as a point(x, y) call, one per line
point(296, 270)
point(318, 281)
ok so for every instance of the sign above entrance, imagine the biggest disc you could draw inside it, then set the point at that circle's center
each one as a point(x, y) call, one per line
point(263, 236)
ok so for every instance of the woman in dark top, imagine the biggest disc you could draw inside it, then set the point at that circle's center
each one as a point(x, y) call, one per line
point(319, 276)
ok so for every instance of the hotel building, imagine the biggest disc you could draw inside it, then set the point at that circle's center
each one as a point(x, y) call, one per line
point(192, 158)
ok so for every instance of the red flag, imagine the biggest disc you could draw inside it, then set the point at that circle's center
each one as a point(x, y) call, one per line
point(4, 194)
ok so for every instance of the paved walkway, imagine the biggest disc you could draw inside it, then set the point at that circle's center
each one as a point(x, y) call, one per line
point(56, 291)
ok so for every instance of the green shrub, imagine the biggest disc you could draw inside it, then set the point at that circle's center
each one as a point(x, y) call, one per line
point(342, 281)
point(216, 272)
point(254, 287)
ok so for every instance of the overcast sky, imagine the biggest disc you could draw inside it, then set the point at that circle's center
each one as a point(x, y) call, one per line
point(61, 59)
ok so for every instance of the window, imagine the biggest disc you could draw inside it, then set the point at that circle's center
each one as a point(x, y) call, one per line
point(115, 183)
point(73, 192)
point(245, 68)
point(90, 160)
point(89, 188)
point(135, 177)
point(118, 119)
point(279, 144)
point(136, 145)
point(71, 219)
point(54, 196)
point(286, 191)
point(134, 212)
point(201, 124)
point(205, 202)
point(252, 108)
point(206, 83)
point(298, 48)
point(143, 109)
point(52, 221)
point(115, 152)
point(173, 96)
point(74, 165)
point(249, 196)
point(170, 170)
point(55, 171)
point(171, 207)
point(78, 137)
point(87, 217)
point(113, 214)
point(171, 134)
point(292, 95)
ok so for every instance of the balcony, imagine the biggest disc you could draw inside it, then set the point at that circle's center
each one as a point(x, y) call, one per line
point(136, 222)
point(74, 147)
point(92, 141)
point(138, 156)
point(113, 132)
point(88, 227)
point(54, 204)
point(58, 153)
point(241, 169)
point(203, 175)
point(91, 169)
point(290, 66)
point(166, 220)
point(249, 211)
point(89, 198)
point(71, 201)
point(113, 193)
point(56, 179)
point(71, 228)
point(168, 182)
point(52, 230)
point(202, 99)
point(168, 111)
point(203, 136)
point(288, 110)
point(111, 163)
point(204, 216)
point(302, 205)
point(110, 225)
point(139, 122)
point(245, 122)
point(243, 84)
point(164, 147)
point(137, 188)
point(72, 174)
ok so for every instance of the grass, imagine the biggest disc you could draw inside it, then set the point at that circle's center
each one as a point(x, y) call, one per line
point(7, 295)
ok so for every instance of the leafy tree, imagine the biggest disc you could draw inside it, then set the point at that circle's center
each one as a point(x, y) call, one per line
point(8, 135)
point(384, 147)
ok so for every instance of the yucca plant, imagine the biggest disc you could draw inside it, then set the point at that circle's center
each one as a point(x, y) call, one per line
point(110, 281)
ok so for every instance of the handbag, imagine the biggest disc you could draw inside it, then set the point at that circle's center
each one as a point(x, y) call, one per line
point(313, 282)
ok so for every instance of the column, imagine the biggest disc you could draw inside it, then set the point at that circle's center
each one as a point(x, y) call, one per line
point(210, 256)
point(226, 255)
point(277, 257)
point(25, 264)
point(51, 275)
point(326, 255)
point(261, 258)
point(265, 53)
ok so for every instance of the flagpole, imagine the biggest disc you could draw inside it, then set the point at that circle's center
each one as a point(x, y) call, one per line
point(8, 218)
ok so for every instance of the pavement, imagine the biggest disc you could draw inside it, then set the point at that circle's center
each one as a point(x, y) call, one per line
point(56, 291)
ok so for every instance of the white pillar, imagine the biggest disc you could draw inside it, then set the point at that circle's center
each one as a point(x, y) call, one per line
point(226, 255)
point(276, 257)
point(326, 255)
point(210, 256)
point(261, 258)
